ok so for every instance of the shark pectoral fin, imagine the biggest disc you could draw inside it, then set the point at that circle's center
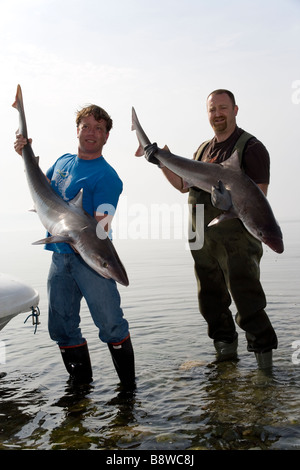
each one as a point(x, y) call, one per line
point(223, 217)
point(221, 197)
point(140, 151)
point(54, 239)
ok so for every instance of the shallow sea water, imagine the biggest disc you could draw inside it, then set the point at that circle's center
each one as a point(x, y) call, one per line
point(183, 400)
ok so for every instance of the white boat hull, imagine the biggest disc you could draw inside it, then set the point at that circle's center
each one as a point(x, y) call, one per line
point(15, 297)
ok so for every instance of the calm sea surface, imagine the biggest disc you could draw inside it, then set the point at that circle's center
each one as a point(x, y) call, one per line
point(183, 400)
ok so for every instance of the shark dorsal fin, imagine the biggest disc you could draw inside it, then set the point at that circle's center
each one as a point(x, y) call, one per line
point(233, 162)
point(77, 200)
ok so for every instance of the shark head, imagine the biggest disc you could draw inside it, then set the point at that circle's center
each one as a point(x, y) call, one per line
point(271, 235)
point(274, 242)
point(100, 255)
point(108, 267)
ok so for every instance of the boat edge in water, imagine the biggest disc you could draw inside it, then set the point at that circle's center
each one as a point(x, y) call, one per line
point(15, 297)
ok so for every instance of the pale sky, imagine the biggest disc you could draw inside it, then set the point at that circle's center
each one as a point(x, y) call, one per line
point(163, 57)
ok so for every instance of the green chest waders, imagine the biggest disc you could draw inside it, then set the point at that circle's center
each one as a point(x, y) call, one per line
point(227, 266)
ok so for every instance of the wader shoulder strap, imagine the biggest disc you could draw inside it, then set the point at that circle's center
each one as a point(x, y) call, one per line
point(239, 146)
point(201, 149)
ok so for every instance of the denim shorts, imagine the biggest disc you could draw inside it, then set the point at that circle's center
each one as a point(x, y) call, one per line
point(70, 279)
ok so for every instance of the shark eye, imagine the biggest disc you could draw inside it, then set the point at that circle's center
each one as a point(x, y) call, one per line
point(105, 264)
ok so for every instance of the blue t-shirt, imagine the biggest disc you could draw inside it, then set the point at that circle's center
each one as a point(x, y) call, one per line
point(100, 183)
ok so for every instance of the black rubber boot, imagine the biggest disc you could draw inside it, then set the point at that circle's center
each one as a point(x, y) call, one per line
point(78, 364)
point(123, 359)
point(226, 351)
point(264, 359)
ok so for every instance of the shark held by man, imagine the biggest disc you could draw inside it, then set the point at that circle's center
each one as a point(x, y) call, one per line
point(66, 221)
point(231, 189)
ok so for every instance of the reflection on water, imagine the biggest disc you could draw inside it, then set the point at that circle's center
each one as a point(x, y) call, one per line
point(217, 406)
point(183, 399)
